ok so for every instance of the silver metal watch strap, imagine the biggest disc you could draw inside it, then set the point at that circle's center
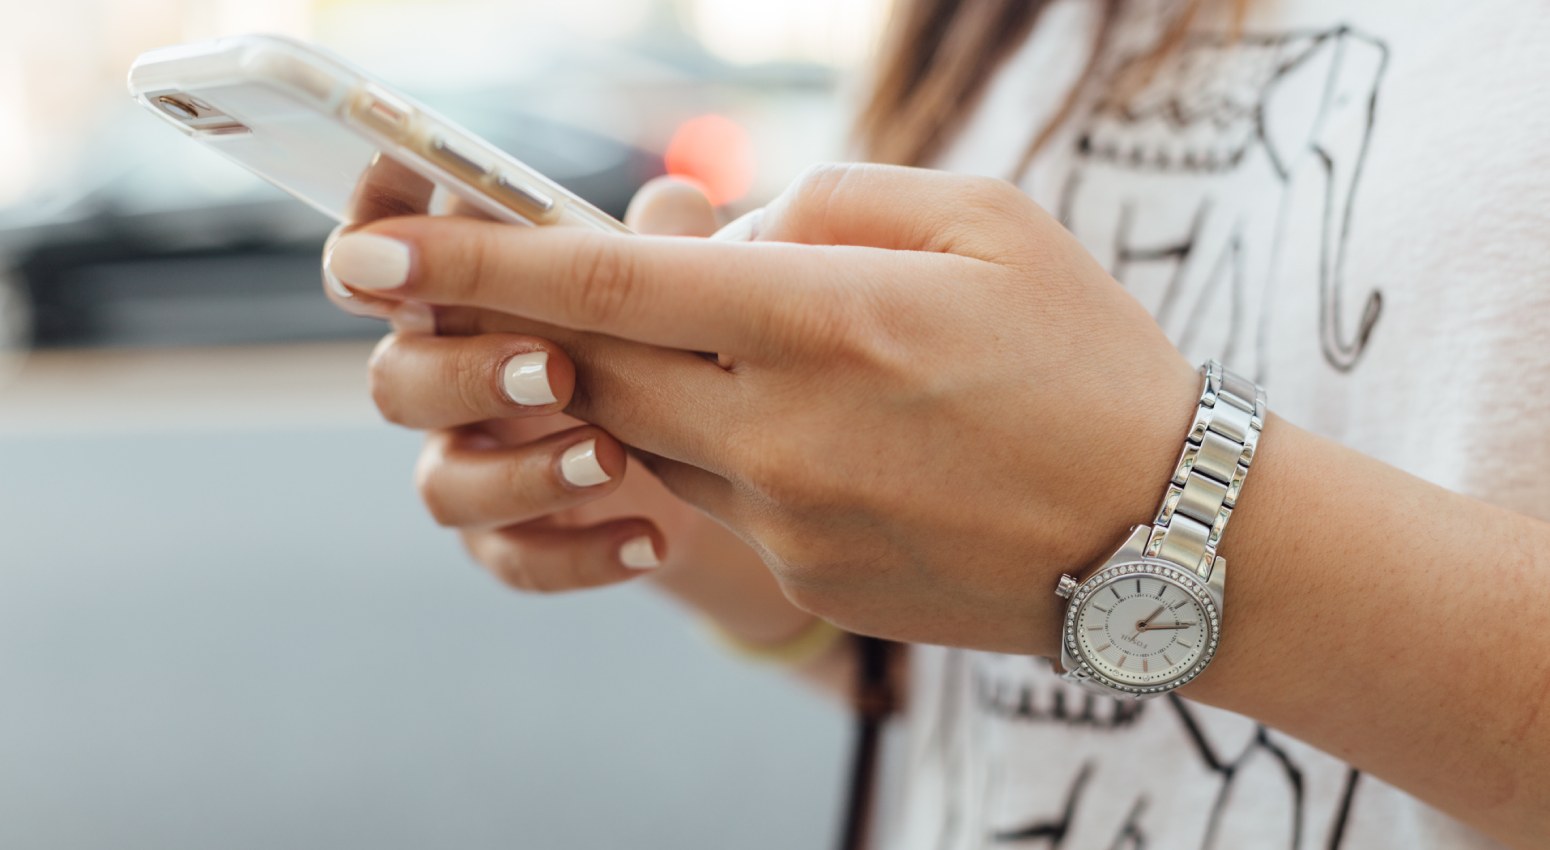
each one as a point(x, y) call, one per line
point(1210, 471)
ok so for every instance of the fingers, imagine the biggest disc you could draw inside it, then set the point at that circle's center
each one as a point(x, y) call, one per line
point(543, 558)
point(669, 402)
point(669, 206)
point(890, 206)
point(439, 382)
point(466, 482)
point(696, 295)
point(711, 493)
point(386, 188)
point(343, 297)
point(664, 206)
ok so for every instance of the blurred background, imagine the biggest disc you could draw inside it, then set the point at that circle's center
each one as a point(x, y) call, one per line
point(224, 619)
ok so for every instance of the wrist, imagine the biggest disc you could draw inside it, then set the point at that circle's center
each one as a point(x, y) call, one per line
point(1148, 618)
point(1256, 548)
point(1150, 428)
point(814, 640)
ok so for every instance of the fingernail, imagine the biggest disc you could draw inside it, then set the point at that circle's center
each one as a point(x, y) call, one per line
point(579, 465)
point(525, 378)
point(744, 228)
point(369, 261)
point(334, 285)
point(638, 553)
point(414, 317)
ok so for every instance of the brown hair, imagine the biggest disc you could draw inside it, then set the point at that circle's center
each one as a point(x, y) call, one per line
point(938, 56)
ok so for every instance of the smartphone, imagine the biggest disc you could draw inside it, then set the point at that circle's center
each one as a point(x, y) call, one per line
point(343, 142)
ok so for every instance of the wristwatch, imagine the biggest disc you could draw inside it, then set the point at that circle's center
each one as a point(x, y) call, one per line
point(1148, 618)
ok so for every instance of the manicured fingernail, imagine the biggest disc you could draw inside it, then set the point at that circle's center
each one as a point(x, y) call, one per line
point(414, 317)
point(638, 553)
point(369, 261)
point(334, 285)
point(742, 229)
point(525, 378)
point(580, 467)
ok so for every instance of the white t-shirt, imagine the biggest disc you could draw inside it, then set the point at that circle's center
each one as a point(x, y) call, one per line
point(1350, 202)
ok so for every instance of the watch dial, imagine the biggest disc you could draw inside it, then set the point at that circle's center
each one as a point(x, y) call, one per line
point(1142, 628)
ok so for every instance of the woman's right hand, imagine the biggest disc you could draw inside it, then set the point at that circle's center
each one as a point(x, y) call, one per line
point(546, 502)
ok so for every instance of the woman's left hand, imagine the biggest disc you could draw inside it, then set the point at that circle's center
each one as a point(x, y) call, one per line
point(927, 400)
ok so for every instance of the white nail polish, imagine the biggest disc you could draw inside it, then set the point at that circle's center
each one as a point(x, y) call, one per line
point(743, 228)
point(525, 378)
point(580, 467)
point(334, 285)
point(638, 553)
point(369, 261)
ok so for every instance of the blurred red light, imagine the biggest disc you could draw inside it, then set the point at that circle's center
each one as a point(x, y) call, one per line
point(715, 151)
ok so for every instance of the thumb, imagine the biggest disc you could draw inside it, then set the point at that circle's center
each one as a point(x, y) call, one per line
point(669, 206)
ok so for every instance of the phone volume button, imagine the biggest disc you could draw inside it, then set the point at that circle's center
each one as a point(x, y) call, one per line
point(455, 159)
point(529, 202)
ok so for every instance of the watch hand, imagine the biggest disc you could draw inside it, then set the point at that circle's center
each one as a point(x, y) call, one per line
point(1172, 626)
point(1144, 623)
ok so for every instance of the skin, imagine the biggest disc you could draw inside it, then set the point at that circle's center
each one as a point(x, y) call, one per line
point(928, 401)
point(526, 526)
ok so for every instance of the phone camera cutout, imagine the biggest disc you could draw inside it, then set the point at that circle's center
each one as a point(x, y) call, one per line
point(177, 107)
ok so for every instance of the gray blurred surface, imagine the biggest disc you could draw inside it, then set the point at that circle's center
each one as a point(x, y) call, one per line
point(257, 640)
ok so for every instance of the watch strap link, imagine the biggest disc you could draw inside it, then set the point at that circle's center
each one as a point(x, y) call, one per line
point(1210, 472)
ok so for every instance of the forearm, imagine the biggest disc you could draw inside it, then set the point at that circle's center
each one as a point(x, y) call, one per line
point(1394, 624)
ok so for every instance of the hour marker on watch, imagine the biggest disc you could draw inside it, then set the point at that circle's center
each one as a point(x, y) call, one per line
point(1101, 608)
point(1095, 628)
point(1102, 648)
point(1138, 587)
point(1186, 645)
point(1114, 590)
point(1122, 660)
point(1166, 660)
point(1145, 667)
point(1161, 589)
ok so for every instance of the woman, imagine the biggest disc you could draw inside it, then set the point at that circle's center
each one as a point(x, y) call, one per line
point(930, 398)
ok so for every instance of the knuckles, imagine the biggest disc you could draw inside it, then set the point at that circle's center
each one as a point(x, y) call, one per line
point(427, 483)
point(817, 185)
point(525, 568)
point(603, 278)
point(379, 381)
point(995, 195)
point(508, 561)
point(470, 373)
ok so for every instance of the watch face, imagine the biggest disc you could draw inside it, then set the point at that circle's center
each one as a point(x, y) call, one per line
point(1143, 627)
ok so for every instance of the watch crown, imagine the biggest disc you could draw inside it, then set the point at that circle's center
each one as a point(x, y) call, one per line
point(1066, 587)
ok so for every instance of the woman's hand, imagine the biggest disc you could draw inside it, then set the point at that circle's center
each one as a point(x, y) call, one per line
point(546, 502)
point(939, 401)
point(926, 402)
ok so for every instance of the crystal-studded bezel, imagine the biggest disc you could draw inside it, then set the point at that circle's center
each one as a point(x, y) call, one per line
point(1186, 580)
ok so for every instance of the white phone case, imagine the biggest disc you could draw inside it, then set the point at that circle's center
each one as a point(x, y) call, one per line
point(329, 134)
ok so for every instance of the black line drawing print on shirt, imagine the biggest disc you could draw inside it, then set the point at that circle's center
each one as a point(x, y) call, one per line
point(998, 697)
point(1203, 149)
point(1192, 180)
point(1245, 760)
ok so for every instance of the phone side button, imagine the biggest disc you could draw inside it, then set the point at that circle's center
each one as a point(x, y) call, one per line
point(380, 111)
point(532, 204)
point(455, 159)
